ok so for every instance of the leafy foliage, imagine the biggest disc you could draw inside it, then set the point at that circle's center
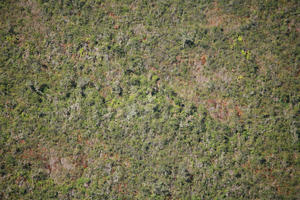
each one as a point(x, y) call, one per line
point(149, 99)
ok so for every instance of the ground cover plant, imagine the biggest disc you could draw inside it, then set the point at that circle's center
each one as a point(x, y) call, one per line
point(144, 99)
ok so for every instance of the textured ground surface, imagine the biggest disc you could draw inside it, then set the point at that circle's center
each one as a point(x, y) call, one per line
point(144, 99)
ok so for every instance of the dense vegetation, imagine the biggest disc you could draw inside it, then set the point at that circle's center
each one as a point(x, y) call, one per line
point(144, 99)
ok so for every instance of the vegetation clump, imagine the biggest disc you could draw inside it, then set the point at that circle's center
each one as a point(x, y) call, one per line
point(143, 99)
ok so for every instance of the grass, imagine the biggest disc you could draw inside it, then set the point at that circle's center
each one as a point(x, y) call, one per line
point(149, 99)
